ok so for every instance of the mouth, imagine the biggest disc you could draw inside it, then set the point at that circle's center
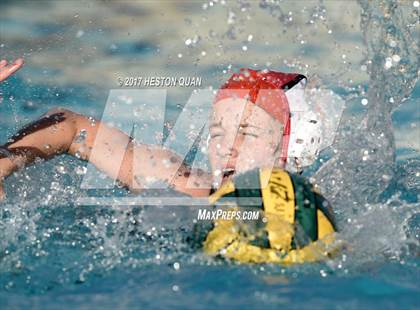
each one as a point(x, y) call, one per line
point(227, 172)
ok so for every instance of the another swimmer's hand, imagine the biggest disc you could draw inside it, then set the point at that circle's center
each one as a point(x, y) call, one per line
point(7, 70)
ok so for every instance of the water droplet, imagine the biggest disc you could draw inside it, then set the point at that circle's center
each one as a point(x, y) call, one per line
point(416, 4)
point(80, 170)
point(81, 136)
point(364, 101)
point(177, 266)
point(61, 169)
point(55, 186)
point(386, 177)
point(175, 288)
point(392, 43)
point(92, 121)
point(80, 33)
point(396, 58)
point(231, 18)
point(388, 63)
point(244, 48)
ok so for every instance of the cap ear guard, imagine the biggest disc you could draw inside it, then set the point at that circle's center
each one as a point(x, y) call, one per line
point(314, 119)
point(305, 130)
point(305, 141)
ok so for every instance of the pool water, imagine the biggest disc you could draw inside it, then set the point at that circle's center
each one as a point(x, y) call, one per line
point(57, 254)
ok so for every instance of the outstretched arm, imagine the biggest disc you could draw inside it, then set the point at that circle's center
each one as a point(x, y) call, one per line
point(63, 131)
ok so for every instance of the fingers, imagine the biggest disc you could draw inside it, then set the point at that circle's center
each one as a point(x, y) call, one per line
point(3, 63)
point(12, 68)
point(7, 70)
point(19, 62)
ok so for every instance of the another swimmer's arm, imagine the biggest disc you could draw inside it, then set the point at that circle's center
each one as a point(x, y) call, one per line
point(58, 131)
point(51, 135)
point(141, 163)
point(157, 163)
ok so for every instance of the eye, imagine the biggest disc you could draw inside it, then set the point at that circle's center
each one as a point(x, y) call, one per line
point(215, 135)
point(249, 134)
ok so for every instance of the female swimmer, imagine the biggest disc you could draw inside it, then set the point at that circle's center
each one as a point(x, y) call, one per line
point(249, 128)
point(246, 131)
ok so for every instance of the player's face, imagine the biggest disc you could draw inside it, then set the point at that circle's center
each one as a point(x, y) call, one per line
point(242, 137)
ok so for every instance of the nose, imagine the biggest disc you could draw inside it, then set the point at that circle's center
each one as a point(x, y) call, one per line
point(227, 150)
point(231, 152)
point(228, 157)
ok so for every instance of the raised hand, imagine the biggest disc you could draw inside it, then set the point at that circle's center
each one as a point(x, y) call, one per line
point(7, 70)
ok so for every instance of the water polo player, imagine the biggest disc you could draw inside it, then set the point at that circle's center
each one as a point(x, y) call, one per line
point(251, 127)
point(246, 131)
